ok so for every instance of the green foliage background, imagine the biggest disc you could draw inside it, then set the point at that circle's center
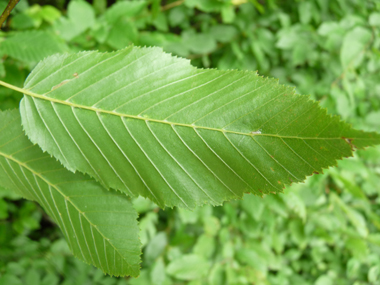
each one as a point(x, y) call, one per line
point(325, 231)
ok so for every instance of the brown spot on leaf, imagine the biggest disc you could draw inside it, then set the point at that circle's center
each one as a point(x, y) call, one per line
point(349, 141)
point(60, 84)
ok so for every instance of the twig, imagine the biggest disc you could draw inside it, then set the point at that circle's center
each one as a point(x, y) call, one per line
point(172, 5)
point(7, 11)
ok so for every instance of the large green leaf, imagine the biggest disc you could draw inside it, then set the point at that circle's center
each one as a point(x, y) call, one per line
point(100, 226)
point(150, 124)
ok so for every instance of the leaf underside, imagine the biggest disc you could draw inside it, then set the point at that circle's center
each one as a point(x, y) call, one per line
point(146, 123)
point(100, 226)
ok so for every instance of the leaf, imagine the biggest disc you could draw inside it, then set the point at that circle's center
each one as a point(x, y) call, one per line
point(188, 267)
point(150, 124)
point(122, 33)
point(306, 11)
point(205, 246)
point(199, 43)
point(49, 13)
point(124, 9)
point(355, 217)
point(81, 16)
point(374, 19)
point(157, 275)
point(32, 46)
point(177, 16)
point(296, 203)
point(100, 226)
point(354, 45)
point(223, 33)
point(156, 246)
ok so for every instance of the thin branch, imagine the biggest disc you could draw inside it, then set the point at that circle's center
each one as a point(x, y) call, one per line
point(7, 11)
point(172, 5)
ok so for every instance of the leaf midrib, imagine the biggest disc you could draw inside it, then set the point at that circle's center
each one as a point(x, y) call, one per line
point(67, 198)
point(73, 105)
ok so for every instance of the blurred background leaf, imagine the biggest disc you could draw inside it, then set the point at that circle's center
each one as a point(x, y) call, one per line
point(324, 231)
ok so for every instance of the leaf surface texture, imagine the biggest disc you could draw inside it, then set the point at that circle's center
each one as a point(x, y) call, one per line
point(100, 226)
point(150, 124)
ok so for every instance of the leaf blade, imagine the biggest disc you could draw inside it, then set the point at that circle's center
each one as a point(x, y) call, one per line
point(86, 213)
point(156, 126)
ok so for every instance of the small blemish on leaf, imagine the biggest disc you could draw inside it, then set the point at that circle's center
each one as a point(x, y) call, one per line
point(349, 141)
point(256, 132)
point(75, 74)
point(60, 84)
